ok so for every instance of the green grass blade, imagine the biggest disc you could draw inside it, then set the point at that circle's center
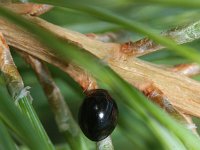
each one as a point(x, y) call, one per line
point(134, 26)
point(174, 3)
point(136, 130)
point(27, 109)
point(19, 123)
point(168, 140)
point(6, 142)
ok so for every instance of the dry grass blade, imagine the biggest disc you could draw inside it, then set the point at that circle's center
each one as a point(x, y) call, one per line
point(108, 36)
point(60, 109)
point(137, 72)
point(180, 35)
point(28, 8)
point(62, 114)
point(141, 74)
point(186, 69)
point(12, 77)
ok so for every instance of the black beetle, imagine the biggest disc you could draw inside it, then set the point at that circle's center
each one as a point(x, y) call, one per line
point(98, 115)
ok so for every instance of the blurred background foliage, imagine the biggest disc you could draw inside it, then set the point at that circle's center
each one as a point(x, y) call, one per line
point(159, 17)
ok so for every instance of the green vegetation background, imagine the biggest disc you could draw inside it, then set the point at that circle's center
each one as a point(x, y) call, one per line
point(160, 17)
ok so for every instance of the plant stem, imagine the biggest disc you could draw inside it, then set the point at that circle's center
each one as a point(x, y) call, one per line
point(20, 95)
point(62, 113)
point(105, 144)
point(181, 35)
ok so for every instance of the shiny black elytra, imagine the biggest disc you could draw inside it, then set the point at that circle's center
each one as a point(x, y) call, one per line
point(98, 115)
